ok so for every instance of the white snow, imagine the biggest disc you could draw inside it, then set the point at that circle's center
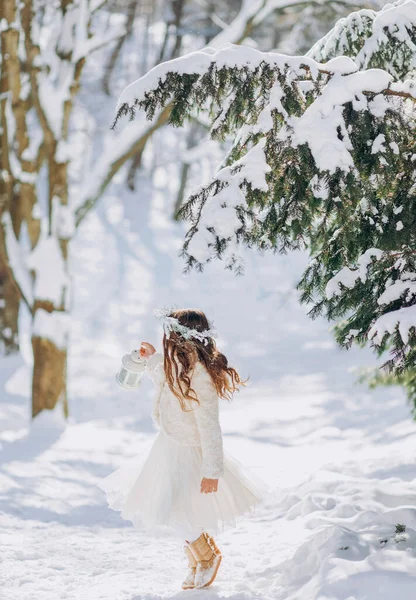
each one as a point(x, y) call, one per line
point(17, 260)
point(340, 466)
point(36, 211)
point(65, 222)
point(52, 326)
point(378, 144)
point(219, 211)
point(339, 459)
point(253, 168)
point(30, 153)
point(394, 147)
point(348, 277)
point(396, 289)
point(406, 87)
point(345, 31)
point(397, 19)
point(379, 105)
point(51, 278)
point(115, 146)
point(63, 153)
point(229, 55)
point(319, 187)
point(404, 319)
point(318, 126)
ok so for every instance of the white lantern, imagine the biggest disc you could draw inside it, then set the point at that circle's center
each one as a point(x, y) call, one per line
point(131, 371)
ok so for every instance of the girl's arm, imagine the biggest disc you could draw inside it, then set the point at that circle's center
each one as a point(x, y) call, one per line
point(208, 423)
point(154, 368)
point(154, 363)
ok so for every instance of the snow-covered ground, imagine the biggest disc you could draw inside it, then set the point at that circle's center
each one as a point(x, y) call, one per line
point(339, 460)
point(340, 465)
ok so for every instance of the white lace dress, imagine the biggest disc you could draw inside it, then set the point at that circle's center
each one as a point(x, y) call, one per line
point(165, 489)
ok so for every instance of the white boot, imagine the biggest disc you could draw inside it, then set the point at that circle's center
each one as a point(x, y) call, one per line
point(208, 558)
point(189, 581)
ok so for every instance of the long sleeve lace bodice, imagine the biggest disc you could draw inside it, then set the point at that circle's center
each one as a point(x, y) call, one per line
point(208, 423)
point(199, 426)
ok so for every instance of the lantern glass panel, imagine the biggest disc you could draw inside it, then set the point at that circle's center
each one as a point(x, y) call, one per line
point(123, 375)
point(133, 378)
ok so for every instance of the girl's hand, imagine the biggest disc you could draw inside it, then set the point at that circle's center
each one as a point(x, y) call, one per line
point(209, 485)
point(146, 350)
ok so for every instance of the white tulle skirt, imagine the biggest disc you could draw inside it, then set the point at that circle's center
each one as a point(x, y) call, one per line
point(165, 491)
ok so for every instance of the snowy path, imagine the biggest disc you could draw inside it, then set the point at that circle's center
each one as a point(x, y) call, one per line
point(341, 468)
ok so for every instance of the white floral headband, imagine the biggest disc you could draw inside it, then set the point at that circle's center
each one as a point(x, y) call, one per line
point(172, 324)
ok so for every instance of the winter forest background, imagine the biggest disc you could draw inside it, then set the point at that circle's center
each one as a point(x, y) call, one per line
point(306, 155)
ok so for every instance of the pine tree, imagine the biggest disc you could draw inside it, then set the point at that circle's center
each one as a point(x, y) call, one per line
point(53, 170)
point(322, 159)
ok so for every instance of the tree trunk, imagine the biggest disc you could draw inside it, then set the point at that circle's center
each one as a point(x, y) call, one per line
point(108, 71)
point(49, 329)
point(49, 375)
point(49, 336)
point(9, 313)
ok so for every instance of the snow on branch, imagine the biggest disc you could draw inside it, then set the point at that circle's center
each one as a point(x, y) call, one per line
point(17, 261)
point(372, 38)
point(165, 80)
point(319, 125)
point(347, 277)
point(387, 282)
point(53, 326)
point(393, 26)
point(223, 215)
point(51, 279)
point(57, 60)
point(403, 320)
point(272, 101)
point(323, 157)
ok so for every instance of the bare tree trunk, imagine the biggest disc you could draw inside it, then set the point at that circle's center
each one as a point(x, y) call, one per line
point(49, 383)
point(9, 295)
point(49, 371)
point(49, 376)
point(131, 13)
point(9, 313)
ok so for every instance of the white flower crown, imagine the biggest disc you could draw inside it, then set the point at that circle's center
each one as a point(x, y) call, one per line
point(172, 324)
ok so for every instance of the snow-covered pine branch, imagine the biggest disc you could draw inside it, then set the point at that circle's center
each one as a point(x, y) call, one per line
point(387, 281)
point(323, 157)
point(374, 39)
point(133, 139)
point(282, 109)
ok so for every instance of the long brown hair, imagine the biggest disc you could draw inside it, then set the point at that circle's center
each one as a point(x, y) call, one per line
point(181, 355)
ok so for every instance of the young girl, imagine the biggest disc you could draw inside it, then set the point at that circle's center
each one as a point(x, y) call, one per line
point(186, 481)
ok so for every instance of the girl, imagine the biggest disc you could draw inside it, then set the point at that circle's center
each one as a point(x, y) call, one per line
point(186, 481)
